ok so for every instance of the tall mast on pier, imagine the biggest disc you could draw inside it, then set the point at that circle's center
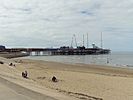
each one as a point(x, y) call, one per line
point(87, 41)
point(83, 39)
point(74, 38)
point(101, 40)
point(72, 43)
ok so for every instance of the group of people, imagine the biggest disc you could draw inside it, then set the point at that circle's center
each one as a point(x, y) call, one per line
point(11, 64)
point(25, 75)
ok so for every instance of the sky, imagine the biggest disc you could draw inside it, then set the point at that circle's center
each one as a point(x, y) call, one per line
point(52, 23)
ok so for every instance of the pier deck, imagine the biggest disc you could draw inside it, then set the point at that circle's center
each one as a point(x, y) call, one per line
point(60, 51)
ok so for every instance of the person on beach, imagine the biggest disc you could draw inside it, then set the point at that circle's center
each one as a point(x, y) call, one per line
point(11, 64)
point(1, 62)
point(25, 74)
point(54, 79)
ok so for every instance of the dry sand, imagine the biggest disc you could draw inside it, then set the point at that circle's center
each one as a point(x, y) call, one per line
point(79, 81)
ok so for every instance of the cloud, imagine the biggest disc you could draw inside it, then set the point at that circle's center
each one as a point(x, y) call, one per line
point(52, 23)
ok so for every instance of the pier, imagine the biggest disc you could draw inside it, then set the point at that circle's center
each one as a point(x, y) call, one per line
point(59, 51)
point(64, 50)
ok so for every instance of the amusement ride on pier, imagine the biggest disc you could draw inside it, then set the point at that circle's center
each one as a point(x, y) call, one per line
point(81, 50)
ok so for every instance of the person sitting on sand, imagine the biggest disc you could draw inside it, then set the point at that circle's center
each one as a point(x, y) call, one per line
point(24, 74)
point(11, 64)
point(54, 79)
point(1, 62)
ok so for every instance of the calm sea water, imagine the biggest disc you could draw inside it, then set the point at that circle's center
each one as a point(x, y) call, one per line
point(121, 59)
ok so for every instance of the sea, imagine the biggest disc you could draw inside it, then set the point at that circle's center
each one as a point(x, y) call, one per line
point(116, 59)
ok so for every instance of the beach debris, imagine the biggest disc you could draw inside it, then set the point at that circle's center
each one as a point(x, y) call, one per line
point(25, 74)
point(18, 61)
point(54, 79)
point(41, 78)
point(81, 96)
point(1, 62)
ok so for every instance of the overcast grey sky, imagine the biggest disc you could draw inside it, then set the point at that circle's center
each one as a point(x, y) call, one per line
point(51, 23)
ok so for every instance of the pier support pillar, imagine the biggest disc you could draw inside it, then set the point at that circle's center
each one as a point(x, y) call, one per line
point(37, 53)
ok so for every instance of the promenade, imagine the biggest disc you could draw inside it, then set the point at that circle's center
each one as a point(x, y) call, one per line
point(9, 94)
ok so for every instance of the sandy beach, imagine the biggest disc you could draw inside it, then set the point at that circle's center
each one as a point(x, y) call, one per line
point(75, 82)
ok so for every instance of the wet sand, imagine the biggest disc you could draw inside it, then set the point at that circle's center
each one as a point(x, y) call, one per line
point(75, 82)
